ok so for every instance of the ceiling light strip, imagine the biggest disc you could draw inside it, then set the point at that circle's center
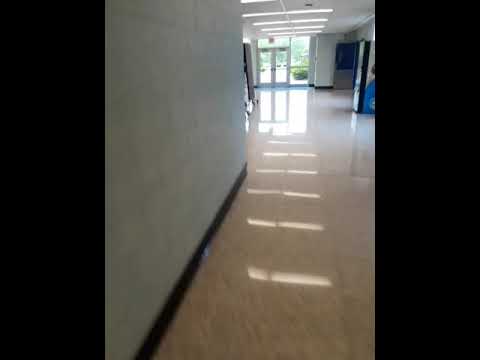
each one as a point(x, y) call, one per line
point(271, 23)
point(296, 28)
point(298, 32)
point(310, 11)
point(286, 22)
point(288, 12)
point(307, 20)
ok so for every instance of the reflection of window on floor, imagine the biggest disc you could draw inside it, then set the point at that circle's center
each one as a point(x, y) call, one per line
point(265, 106)
point(280, 106)
point(299, 60)
point(283, 112)
point(298, 111)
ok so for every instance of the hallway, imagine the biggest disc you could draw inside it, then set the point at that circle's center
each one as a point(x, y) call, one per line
point(290, 273)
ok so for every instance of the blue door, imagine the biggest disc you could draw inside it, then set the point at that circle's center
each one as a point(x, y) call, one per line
point(345, 56)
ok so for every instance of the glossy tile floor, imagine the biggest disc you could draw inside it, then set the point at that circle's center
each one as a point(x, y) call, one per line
point(290, 273)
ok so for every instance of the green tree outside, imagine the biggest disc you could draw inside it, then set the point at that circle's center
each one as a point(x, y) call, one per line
point(299, 57)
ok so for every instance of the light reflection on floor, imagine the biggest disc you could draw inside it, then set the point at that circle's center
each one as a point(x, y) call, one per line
point(289, 171)
point(286, 277)
point(285, 193)
point(286, 224)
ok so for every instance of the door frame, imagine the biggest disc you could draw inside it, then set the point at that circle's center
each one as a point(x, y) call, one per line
point(273, 58)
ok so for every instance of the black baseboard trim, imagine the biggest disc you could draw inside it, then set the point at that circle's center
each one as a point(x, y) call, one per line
point(311, 85)
point(324, 87)
point(176, 296)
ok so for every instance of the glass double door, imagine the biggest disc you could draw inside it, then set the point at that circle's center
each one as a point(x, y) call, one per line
point(274, 67)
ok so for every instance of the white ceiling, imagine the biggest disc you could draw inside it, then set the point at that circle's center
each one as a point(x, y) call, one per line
point(346, 15)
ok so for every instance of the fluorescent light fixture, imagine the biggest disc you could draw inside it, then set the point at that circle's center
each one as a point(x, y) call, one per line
point(254, 1)
point(288, 12)
point(264, 14)
point(296, 28)
point(310, 11)
point(286, 22)
point(308, 32)
point(309, 27)
point(307, 20)
point(295, 33)
point(276, 29)
point(303, 154)
point(271, 23)
point(284, 33)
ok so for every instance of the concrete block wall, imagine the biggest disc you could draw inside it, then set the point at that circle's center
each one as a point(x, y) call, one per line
point(325, 61)
point(175, 143)
point(312, 55)
point(364, 32)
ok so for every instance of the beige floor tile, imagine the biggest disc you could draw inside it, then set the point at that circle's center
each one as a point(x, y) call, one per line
point(290, 274)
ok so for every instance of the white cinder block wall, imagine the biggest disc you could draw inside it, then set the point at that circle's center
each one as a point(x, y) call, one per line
point(325, 64)
point(311, 59)
point(364, 32)
point(254, 44)
point(175, 143)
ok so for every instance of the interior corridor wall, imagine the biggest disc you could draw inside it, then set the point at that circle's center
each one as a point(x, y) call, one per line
point(175, 143)
point(254, 44)
point(325, 62)
point(364, 32)
point(312, 55)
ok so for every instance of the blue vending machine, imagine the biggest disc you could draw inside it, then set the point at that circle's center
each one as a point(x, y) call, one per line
point(364, 88)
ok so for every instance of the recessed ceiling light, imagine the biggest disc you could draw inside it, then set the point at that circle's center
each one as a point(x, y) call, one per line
point(286, 22)
point(254, 1)
point(289, 12)
point(295, 27)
